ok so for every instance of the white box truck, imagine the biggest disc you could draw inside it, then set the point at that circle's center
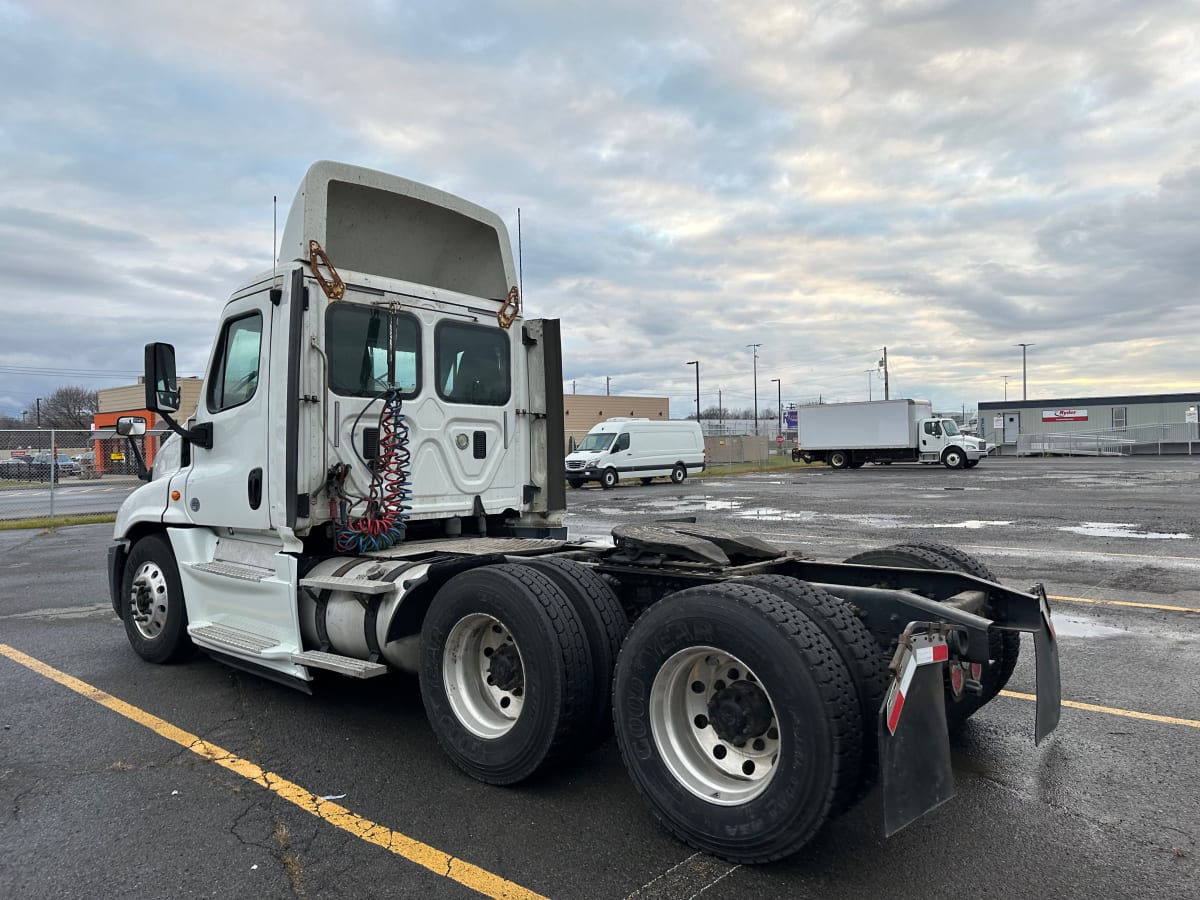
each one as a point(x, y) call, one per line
point(374, 482)
point(847, 435)
point(624, 447)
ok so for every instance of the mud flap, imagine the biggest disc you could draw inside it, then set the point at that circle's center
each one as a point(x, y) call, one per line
point(914, 742)
point(1049, 675)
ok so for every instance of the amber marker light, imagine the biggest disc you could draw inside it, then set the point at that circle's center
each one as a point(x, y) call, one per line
point(174, 495)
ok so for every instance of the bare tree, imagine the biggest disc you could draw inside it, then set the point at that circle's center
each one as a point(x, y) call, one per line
point(67, 407)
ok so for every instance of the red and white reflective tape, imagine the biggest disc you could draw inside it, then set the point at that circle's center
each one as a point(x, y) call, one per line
point(933, 649)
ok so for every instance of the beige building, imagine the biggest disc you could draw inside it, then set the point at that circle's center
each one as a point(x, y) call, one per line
point(131, 399)
point(582, 411)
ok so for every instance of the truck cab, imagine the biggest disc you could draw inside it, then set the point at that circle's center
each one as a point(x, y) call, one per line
point(380, 385)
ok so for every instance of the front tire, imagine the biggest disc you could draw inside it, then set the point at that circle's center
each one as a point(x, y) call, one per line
point(678, 474)
point(839, 459)
point(153, 607)
point(608, 479)
point(505, 672)
point(737, 721)
point(953, 458)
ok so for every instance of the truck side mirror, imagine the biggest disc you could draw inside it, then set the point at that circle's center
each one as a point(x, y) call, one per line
point(131, 426)
point(162, 387)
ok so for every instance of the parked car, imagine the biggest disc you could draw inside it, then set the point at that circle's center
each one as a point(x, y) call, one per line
point(37, 467)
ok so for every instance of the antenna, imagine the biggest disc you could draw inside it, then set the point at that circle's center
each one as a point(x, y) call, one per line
point(274, 238)
point(520, 259)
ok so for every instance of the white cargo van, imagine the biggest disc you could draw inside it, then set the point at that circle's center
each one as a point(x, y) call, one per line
point(637, 448)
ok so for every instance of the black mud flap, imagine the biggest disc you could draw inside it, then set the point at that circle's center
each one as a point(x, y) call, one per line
point(1049, 675)
point(914, 741)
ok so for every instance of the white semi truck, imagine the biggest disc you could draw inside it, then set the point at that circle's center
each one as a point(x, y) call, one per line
point(848, 435)
point(374, 481)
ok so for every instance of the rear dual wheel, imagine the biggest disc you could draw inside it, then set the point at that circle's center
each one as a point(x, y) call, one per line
point(737, 720)
point(1004, 647)
point(506, 673)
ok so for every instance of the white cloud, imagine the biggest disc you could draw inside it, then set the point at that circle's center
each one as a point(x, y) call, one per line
point(946, 178)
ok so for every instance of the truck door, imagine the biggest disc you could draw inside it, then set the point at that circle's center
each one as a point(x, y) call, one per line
point(227, 485)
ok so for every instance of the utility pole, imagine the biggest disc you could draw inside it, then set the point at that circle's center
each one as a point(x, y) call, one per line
point(39, 412)
point(778, 404)
point(607, 385)
point(755, 347)
point(572, 385)
point(883, 365)
point(720, 409)
point(1024, 383)
point(870, 372)
point(1006, 377)
point(696, 363)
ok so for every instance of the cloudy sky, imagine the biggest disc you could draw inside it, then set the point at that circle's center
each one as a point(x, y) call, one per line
point(822, 178)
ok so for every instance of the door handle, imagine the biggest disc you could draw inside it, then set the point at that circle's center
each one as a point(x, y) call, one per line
point(254, 488)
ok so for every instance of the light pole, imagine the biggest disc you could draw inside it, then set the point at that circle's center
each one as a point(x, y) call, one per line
point(883, 365)
point(870, 372)
point(1006, 377)
point(779, 405)
point(755, 349)
point(1024, 383)
point(696, 363)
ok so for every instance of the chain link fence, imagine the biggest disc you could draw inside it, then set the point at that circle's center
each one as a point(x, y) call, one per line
point(58, 474)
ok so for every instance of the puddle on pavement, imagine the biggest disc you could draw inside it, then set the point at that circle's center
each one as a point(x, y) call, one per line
point(1123, 530)
point(767, 514)
point(969, 524)
point(1071, 626)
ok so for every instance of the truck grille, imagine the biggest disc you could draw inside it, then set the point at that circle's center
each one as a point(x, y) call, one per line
point(574, 464)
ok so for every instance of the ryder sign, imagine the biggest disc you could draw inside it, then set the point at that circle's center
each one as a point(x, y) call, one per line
point(1064, 415)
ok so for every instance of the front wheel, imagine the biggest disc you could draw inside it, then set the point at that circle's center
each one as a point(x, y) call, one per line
point(608, 479)
point(737, 721)
point(839, 459)
point(953, 458)
point(153, 610)
point(678, 473)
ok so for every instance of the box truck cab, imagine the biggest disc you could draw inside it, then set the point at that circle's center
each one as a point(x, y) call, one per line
point(637, 448)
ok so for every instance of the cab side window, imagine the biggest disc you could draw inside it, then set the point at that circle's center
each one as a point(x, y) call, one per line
point(622, 442)
point(234, 376)
point(933, 428)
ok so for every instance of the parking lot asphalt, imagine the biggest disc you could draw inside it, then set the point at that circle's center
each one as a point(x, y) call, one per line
point(106, 790)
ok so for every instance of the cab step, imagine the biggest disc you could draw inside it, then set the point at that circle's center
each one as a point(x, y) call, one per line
point(343, 665)
point(234, 640)
point(240, 571)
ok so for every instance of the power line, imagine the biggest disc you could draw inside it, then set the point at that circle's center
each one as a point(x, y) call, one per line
point(67, 373)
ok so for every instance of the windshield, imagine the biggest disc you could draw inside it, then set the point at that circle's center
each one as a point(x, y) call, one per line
point(595, 442)
point(949, 426)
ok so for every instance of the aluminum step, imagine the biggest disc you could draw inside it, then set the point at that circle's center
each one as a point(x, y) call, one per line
point(240, 571)
point(343, 665)
point(341, 583)
point(225, 637)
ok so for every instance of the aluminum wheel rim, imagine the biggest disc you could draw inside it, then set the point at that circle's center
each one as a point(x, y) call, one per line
point(483, 707)
point(688, 743)
point(149, 600)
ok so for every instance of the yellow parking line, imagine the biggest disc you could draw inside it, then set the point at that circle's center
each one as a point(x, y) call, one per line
point(436, 861)
point(1187, 609)
point(1112, 711)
